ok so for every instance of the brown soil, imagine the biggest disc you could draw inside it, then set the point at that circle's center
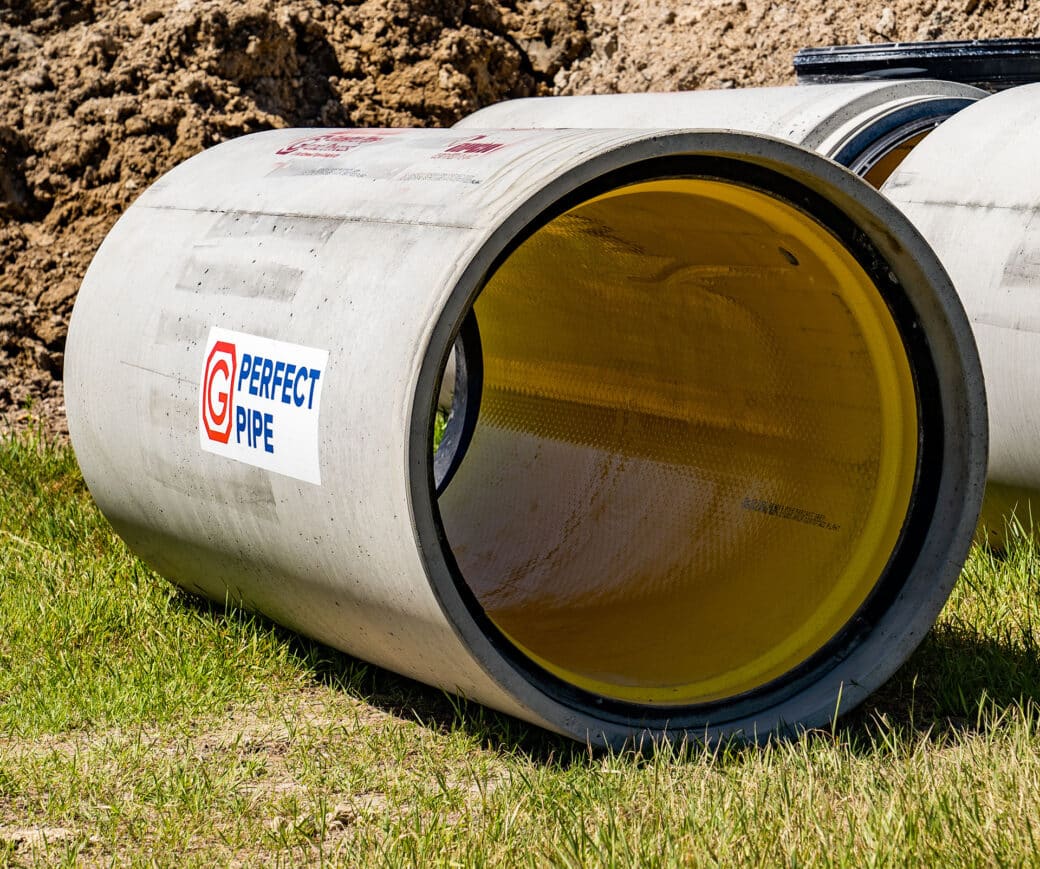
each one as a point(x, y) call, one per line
point(644, 45)
point(99, 97)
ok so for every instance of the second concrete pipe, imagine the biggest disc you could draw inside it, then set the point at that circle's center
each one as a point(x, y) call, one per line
point(867, 126)
point(974, 192)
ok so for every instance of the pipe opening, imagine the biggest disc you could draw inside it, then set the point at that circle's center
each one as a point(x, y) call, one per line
point(458, 402)
point(876, 152)
point(696, 446)
point(879, 165)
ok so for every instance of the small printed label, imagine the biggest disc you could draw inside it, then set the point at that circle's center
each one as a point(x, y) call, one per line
point(442, 157)
point(784, 511)
point(334, 143)
point(259, 402)
point(474, 146)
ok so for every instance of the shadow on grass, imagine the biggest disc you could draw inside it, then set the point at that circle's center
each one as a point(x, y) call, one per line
point(406, 698)
point(957, 683)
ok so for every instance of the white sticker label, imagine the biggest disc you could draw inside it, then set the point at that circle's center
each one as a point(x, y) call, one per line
point(259, 401)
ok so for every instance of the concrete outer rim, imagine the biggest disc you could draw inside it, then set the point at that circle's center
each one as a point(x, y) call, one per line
point(920, 91)
point(905, 624)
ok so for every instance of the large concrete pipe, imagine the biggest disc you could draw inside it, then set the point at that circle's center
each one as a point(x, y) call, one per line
point(868, 126)
point(974, 192)
point(723, 442)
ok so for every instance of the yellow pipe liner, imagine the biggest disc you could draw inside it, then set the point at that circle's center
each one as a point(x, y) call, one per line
point(723, 423)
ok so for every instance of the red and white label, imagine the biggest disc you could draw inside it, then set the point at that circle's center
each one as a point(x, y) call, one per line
point(334, 143)
point(473, 146)
point(218, 383)
point(259, 402)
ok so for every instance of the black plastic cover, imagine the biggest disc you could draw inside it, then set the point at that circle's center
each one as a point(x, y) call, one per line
point(992, 64)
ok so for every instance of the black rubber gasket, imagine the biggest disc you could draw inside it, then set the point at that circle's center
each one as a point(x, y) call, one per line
point(991, 64)
point(869, 146)
point(930, 453)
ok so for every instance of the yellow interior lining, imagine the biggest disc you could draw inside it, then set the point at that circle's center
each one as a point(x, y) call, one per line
point(696, 446)
point(879, 173)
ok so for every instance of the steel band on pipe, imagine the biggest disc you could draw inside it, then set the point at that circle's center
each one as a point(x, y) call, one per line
point(724, 433)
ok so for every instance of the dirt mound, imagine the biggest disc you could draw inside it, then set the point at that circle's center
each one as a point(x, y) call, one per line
point(98, 97)
point(654, 45)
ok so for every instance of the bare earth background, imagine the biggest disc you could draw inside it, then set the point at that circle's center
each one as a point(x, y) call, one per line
point(98, 98)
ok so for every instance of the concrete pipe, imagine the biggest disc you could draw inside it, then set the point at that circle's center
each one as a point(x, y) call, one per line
point(867, 126)
point(723, 439)
point(975, 194)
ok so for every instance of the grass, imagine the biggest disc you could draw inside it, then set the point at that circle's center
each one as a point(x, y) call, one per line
point(440, 426)
point(142, 726)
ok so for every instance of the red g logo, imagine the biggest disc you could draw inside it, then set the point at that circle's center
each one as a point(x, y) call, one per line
point(217, 386)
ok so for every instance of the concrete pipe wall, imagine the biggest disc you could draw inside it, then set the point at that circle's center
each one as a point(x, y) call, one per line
point(867, 126)
point(974, 192)
point(721, 451)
